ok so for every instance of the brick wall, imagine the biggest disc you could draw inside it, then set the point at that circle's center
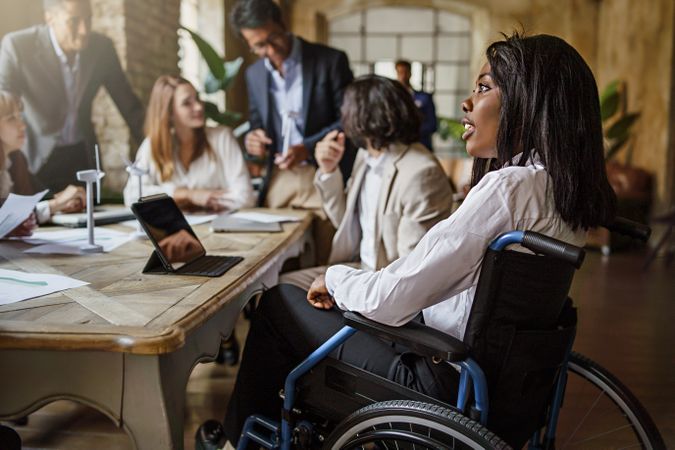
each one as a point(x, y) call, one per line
point(145, 36)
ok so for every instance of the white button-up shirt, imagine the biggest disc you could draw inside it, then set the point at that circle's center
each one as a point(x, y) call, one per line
point(286, 91)
point(69, 132)
point(368, 199)
point(440, 275)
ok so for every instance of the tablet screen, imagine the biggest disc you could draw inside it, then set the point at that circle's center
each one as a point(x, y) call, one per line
point(168, 230)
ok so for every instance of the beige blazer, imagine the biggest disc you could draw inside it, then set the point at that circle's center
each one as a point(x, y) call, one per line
point(414, 196)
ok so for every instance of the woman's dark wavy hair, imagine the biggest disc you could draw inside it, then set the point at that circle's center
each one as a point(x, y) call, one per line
point(550, 105)
point(381, 110)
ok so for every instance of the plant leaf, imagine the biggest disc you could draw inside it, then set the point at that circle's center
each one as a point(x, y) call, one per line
point(610, 100)
point(224, 118)
point(231, 71)
point(613, 150)
point(213, 60)
point(450, 129)
point(611, 89)
point(211, 84)
point(622, 126)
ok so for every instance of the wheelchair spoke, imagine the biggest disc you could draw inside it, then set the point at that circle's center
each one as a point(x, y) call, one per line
point(583, 419)
point(604, 433)
point(600, 412)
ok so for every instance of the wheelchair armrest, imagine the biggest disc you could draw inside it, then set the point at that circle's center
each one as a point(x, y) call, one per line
point(416, 336)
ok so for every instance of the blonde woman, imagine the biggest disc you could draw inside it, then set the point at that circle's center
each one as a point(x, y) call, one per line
point(14, 175)
point(200, 167)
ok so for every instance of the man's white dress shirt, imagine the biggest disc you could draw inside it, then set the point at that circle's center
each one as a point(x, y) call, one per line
point(286, 91)
point(69, 132)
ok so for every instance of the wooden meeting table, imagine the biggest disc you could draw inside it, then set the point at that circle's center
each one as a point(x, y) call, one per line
point(126, 343)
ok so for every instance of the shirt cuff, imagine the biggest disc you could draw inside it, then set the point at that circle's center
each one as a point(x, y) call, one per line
point(43, 212)
point(334, 275)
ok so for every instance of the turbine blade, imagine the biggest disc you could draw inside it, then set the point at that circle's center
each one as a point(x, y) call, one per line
point(98, 161)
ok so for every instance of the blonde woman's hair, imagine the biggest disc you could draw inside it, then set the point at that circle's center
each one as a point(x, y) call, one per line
point(158, 126)
point(9, 104)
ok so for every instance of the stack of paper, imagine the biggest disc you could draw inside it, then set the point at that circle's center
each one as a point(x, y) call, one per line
point(16, 209)
point(16, 286)
point(263, 217)
point(68, 242)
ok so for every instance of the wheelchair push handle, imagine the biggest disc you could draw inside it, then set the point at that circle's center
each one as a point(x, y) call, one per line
point(630, 228)
point(540, 244)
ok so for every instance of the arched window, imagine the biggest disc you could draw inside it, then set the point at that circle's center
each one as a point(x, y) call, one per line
point(436, 42)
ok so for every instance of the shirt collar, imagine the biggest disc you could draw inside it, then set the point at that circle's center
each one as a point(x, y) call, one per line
point(59, 51)
point(376, 164)
point(534, 159)
point(295, 57)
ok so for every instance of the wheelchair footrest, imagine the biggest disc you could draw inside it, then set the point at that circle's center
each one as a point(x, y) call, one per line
point(250, 433)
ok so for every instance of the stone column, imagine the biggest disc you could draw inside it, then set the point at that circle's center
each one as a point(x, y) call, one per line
point(145, 36)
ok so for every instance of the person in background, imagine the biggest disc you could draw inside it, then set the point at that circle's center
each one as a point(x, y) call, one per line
point(423, 100)
point(397, 191)
point(294, 94)
point(13, 171)
point(533, 126)
point(200, 167)
point(57, 70)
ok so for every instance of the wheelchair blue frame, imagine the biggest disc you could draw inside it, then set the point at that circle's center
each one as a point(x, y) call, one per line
point(280, 434)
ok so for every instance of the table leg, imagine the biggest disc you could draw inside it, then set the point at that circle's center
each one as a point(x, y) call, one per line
point(153, 404)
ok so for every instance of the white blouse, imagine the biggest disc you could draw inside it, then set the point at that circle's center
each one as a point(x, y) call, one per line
point(440, 275)
point(224, 169)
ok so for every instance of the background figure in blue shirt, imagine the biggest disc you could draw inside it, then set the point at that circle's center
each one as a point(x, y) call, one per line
point(423, 100)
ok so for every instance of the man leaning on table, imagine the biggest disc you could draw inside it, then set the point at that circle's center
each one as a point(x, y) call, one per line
point(57, 69)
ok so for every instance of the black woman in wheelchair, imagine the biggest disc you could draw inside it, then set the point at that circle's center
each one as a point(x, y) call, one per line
point(533, 126)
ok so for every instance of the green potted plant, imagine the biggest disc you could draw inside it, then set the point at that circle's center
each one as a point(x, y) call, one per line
point(632, 185)
point(220, 77)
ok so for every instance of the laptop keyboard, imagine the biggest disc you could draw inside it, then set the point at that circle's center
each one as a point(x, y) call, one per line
point(210, 266)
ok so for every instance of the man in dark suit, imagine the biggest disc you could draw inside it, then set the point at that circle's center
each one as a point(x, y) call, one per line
point(57, 69)
point(423, 100)
point(295, 94)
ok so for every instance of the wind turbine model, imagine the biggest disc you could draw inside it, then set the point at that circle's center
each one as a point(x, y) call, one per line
point(90, 177)
point(135, 170)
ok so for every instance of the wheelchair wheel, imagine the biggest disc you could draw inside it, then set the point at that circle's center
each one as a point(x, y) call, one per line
point(599, 411)
point(405, 424)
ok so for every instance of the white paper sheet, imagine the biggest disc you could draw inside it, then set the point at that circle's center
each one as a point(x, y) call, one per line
point(192, 220)
point(16, 209)
point(16, 286)
point(68, 242)
point(264, 217)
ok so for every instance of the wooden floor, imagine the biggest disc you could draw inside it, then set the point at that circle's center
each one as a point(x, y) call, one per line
point(627, 324)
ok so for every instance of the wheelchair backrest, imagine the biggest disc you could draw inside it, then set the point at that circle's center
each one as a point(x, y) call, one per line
point(521, 327)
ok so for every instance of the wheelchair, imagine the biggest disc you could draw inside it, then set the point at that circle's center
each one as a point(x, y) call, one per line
point(517, 368)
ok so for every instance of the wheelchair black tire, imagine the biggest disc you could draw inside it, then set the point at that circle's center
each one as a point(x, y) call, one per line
point(634, 414)
point(449, 427)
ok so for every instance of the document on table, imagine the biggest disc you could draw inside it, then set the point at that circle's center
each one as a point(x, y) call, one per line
point(16, 209)
point(16, 286)
point(264, 217)
point(68, 242)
